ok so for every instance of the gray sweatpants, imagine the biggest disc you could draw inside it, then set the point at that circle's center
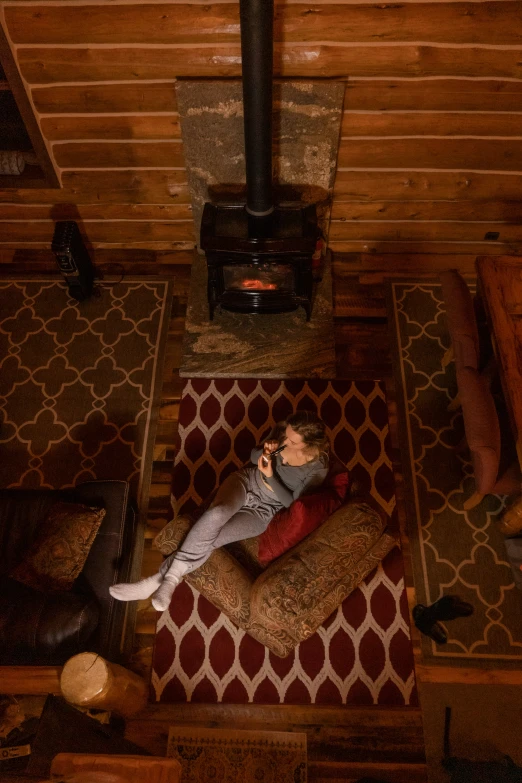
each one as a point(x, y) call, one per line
point(241, 509)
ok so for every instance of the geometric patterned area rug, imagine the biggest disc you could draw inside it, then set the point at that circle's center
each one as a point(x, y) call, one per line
point(231, 756)
point(362, 653)
point(454, 551)
point(80, 382)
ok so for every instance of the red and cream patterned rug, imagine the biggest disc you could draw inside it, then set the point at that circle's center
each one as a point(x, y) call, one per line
point(362, 654)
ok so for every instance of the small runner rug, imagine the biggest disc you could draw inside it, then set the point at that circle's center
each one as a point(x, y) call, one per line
point(454, 551)
point(232, 756)
point(80, 382)
point(362, 653)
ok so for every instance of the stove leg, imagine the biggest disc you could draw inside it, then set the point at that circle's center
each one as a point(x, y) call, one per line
point(308, 311)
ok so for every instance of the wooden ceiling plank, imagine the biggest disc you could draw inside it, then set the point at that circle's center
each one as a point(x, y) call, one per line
point(433, 185)
point(116, 187)
point(429, 153)
point(101, 231)
point(111, 127)
point(41, 65)
point(177, 23)
point(102, 98)
point(358, 125)
point(361, 95)
point(433, 95)
point(168, 186)
point(480, 211)
point(149, 245)
point(395, 248)
point(409, 154)
point(431, 230)
point(89, 154)
point(147, 212)
point(431, 124)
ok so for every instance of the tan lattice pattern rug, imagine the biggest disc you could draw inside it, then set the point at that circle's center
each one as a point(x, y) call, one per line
point(79, 382)
point(454, 551)
point(208, 755)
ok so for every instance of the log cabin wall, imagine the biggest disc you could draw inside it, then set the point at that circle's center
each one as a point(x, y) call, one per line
point(431, 152)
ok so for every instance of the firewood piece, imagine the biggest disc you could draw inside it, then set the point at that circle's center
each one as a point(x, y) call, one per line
point(88, 680)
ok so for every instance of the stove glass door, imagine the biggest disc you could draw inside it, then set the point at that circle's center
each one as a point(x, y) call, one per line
point(258, 277)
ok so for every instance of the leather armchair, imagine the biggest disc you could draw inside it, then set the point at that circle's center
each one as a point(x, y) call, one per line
point(286, 603)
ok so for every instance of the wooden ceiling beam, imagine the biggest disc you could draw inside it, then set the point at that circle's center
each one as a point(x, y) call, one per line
point(43, 65)
point(119, 187)
point(108, 127)
point(426, 185)
point(415, 230)
point(495, 22)
point(478, 211)
point(119, 154)
point(448, 95)
point(354, 124)
point(111, 231)
point(432, 153)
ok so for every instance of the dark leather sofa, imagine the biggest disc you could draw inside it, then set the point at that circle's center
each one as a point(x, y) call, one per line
point(45, 629)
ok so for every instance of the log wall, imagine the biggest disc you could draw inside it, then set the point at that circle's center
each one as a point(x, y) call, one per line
point(431, 153)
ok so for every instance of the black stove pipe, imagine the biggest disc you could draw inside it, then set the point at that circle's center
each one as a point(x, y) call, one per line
point(257, 25)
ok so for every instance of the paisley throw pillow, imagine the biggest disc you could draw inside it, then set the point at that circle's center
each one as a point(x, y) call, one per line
point(58, 553)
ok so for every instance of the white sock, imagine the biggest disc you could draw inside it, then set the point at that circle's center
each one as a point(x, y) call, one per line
point(134, 591)
point(163, 595)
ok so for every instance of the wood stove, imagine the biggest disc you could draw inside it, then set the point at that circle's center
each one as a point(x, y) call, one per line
point(249, 272)
point(259, 256)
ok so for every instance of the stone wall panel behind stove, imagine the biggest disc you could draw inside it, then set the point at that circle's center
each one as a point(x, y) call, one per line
point(306, 131)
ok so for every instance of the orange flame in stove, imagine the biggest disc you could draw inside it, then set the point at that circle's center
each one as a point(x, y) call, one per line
point(258, 284)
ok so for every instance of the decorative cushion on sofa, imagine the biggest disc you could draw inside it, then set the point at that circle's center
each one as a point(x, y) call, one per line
point(481, 426)
point(460, 315)
point(58, 553)
point(290, 525)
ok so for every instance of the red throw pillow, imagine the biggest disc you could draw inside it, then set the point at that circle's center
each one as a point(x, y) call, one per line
point(292, 524)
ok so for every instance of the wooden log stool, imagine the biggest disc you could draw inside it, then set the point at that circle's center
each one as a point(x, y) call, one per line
point(87, 680)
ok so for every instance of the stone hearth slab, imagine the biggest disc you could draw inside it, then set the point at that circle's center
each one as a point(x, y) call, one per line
point(236, 345)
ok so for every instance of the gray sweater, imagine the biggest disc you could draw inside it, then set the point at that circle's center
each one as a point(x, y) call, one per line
point(290, 481)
